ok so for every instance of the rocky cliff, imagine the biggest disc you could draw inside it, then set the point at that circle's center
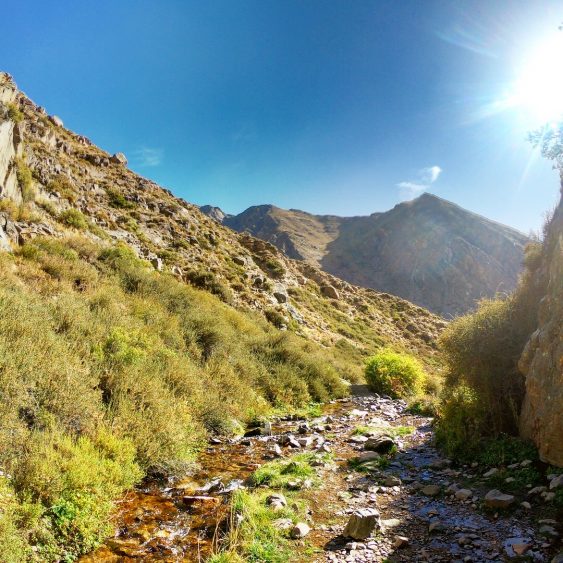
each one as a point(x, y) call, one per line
point(71, 186)
point(428, 250)
point(541, 419)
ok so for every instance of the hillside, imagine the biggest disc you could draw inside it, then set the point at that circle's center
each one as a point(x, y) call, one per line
point(132, 326)
point(428, 250)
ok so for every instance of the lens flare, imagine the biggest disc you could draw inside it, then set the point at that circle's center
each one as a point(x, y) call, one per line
point(539, 88)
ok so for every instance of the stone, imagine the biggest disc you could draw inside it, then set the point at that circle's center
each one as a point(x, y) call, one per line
point(526, 505)
point(463, 494)
point(517, 546)
point(556, 482)
point(56, 120)
point(300, 530)
point(436, 525)
point(191, 500)
point(276, 498)
point(392, 481)
point(330, 291)
point(283, 523)
point(497, 499)
point(490, 473)
point(400, 541)
point(119, 158)
point(281, 296)
point(431, 490)
point(381, 444)
point(390, 523)
point(367, 456)
point(361, 524)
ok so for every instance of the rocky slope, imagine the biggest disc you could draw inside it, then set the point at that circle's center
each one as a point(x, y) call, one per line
point(542, 360)
point(428, 250)
point(68, 173)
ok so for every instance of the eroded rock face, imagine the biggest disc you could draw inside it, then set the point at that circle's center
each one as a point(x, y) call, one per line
point(542, 359)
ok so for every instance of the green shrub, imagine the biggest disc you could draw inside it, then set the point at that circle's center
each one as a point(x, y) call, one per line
point(25, 180)
point(73, 218)
point(395, 374)
point(62, 185)
point(275, 268)
point(117, 199)
point(14, 113)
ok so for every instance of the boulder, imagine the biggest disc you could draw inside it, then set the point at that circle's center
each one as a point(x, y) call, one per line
point(431, 490)
point(392, 481)
point(463, 494)
point(361, 524)
point(300, 530)
point(119, 158)
point(56, 120)
point(380, 444)
point(330, 291)
point(497, 499)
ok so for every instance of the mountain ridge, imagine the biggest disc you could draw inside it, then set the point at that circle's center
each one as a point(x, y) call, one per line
point(373, 250)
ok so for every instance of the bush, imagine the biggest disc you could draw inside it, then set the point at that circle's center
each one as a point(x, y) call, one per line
point(394, 374)
point(14, 113)
point(73, 218)
point(62, 185)
point(25, 180)
point(117, 199)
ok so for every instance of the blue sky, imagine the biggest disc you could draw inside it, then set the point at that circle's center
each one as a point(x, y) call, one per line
point(331, 106)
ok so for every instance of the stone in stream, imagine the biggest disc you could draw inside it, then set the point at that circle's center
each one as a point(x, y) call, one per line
point(211, 486)
point(380, 444)
point(430, 490)
point(361, 524)
point(497, 499)
point(300, 530)
point(514, 547)
point(400, 541)
point(463, 494)
point(191, 500)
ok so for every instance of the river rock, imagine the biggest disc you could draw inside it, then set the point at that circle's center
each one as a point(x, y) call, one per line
point(361, 524)
point(191, 500)
point(496, 499)
point(463, 494)
point(380, 444)
point(430, 490)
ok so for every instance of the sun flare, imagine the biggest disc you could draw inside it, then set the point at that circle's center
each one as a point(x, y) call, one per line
point(539, 87)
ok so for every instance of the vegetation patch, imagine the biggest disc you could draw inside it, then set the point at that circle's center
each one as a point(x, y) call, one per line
point(255, 534)
point(393, 431)
point(395, 374)
point(282, 473)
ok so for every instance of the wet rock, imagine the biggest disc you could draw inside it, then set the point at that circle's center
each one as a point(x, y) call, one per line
point(392, 481)
point(430, 490)
point(381, 444)
point(436, 525)
point(463, 494)
point(361, 524)
point(211, 486)
point(517, 546)
point(497, 499)
point(400, 541)
point(300, 530)
point(191, 500)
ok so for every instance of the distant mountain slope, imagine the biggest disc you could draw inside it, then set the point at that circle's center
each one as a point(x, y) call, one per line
point(429, 251)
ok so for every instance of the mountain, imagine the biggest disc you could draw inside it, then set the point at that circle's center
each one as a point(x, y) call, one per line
point(429, 250)
point(69, 175)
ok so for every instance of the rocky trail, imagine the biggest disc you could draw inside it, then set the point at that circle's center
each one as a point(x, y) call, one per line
point(409, 504)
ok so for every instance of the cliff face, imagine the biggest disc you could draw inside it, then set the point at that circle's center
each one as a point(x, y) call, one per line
point(428, 250)
point(541, 419)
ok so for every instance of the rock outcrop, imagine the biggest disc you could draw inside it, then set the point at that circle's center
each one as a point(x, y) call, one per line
point(429, 251)
point(541, 418)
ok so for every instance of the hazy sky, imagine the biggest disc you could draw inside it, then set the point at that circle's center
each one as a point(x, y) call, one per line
point(331, 106)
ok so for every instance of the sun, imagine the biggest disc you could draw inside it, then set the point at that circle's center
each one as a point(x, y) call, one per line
point(538, 89)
